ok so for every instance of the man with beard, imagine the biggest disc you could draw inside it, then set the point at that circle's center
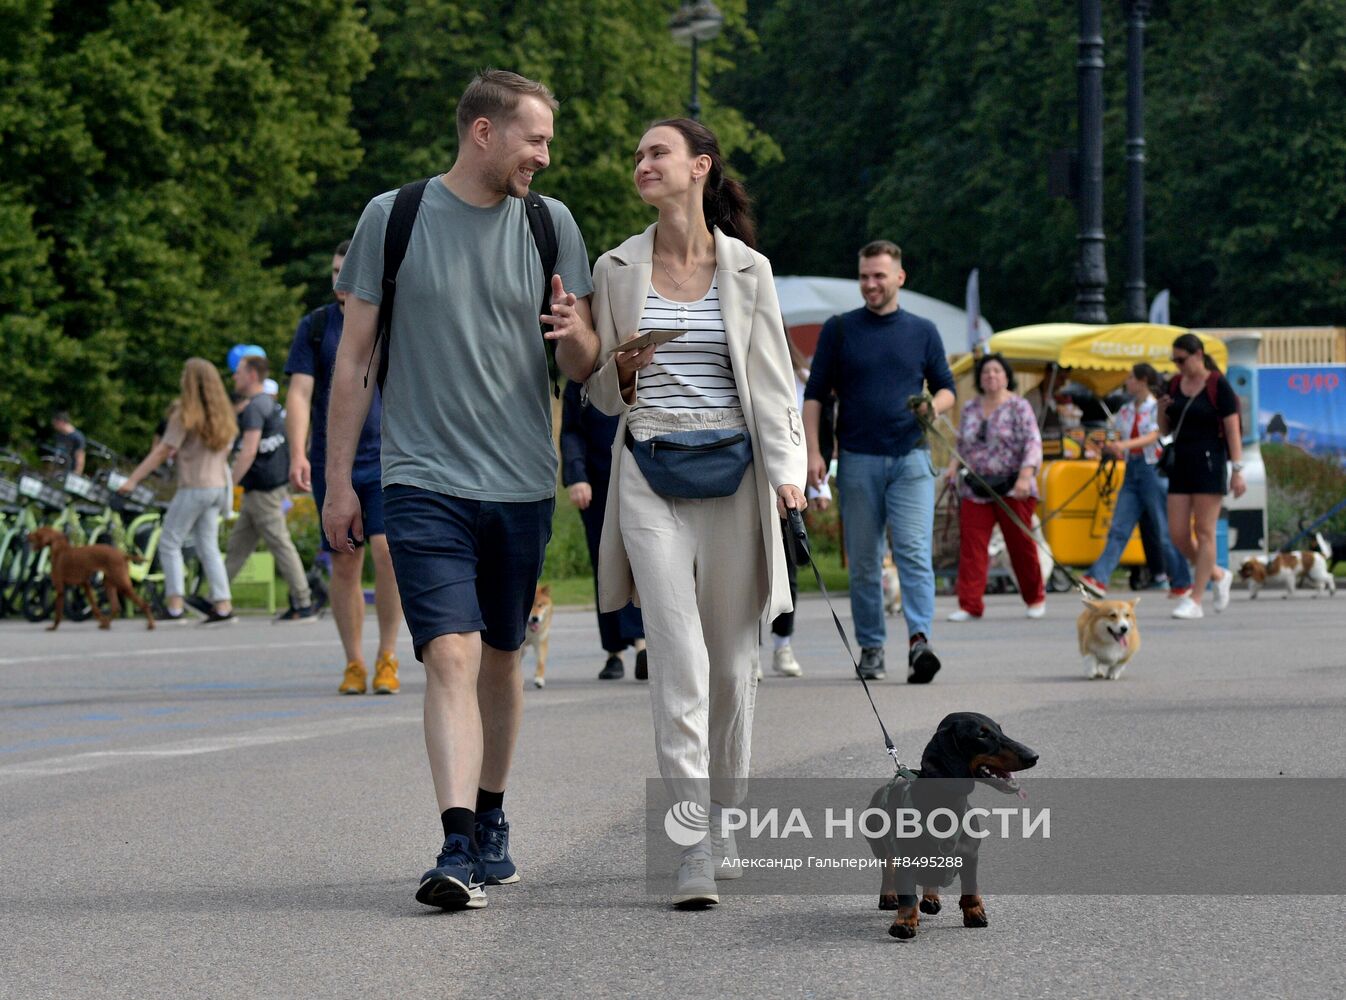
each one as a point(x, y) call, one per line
point(875, 358)
point(469, 467)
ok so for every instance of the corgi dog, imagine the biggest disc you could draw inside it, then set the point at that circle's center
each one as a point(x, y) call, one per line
point(538, 632)
point(1288, 569)
point(892, 589)
point(1109, 637)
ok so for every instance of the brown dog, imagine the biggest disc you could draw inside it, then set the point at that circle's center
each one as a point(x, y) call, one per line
point(539, 631)
point(74, 567)
point(1109, 637)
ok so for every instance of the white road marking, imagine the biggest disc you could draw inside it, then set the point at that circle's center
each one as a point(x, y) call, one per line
point(133, 653)
point(97, 759)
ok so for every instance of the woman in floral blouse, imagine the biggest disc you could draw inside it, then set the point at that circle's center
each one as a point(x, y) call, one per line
point(998, 436)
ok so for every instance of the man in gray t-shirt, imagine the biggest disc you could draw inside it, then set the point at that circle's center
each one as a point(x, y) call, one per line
point(469, 468)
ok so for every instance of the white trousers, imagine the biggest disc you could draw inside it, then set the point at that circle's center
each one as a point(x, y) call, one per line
point(701, 575)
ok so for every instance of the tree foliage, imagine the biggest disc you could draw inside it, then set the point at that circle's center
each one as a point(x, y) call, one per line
point(611, 63)
point(931, 124)
point(143, 147)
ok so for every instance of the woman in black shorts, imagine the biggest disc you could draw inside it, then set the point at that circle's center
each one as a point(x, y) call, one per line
point(1201, 410)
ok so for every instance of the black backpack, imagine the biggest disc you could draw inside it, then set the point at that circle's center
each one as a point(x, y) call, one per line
point(397, 235)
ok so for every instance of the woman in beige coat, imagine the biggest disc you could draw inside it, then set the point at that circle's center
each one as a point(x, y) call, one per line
point(705, 571)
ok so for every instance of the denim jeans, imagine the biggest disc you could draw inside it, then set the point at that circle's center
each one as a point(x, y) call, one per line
point(1143, 492)
point(879, 490)
point(194, 512)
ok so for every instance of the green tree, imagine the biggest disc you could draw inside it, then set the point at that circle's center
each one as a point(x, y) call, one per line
point(611, 63)
point(931, 124)
point(145, 149)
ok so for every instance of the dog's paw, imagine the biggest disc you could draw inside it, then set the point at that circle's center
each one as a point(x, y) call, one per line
point(539, 682)
point(974, 911)
point(930, 904)
point(904, 926)
point(887, 901)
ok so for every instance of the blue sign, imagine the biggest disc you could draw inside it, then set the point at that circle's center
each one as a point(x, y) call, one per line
point(1304, 405)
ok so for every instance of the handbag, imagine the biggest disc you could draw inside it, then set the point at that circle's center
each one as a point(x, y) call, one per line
point(1168, 458)
point(987, 487)
point(694, 465)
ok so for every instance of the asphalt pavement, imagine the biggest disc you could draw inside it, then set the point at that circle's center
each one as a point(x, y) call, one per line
point(195, 813)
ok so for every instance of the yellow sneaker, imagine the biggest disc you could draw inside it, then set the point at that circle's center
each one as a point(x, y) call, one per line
point(354, 680)
point(385, 674)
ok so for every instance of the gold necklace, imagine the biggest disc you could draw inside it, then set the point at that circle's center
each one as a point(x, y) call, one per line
point(677, 285)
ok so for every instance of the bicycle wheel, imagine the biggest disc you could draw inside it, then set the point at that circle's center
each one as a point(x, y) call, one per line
point(11, 576)
point(38, 599)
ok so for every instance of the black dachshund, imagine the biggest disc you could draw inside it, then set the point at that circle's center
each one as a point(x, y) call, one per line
point(965, 749)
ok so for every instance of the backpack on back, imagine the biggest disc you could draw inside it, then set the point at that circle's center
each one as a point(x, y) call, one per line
point(396, 237)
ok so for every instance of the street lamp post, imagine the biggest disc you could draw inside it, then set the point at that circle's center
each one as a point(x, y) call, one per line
point(1136, 10)
point(1091, 271)
point(692, 24)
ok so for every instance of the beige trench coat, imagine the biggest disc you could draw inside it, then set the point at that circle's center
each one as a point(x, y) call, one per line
point(762, 374)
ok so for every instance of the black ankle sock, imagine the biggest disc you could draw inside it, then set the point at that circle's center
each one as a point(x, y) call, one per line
point(486, 801)
point(918, 637)
point(459, 821)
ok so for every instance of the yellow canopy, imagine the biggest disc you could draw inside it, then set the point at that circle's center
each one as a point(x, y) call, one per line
point(1098, 356)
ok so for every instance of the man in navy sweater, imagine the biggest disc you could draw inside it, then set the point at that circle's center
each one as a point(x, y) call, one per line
point(875, 358)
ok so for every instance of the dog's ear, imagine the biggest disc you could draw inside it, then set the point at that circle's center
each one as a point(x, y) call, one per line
point(545, 589)
point(1132, 603)
point(1089, 602)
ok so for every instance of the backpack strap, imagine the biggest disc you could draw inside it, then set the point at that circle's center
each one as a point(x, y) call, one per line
point(542, 227)
point(317, 330)
point(396, 236)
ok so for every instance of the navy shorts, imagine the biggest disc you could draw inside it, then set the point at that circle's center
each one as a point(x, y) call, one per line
point(368, 489)
point(466, 565)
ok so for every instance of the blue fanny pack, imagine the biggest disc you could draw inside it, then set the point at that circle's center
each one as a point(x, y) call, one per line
point(694, 465)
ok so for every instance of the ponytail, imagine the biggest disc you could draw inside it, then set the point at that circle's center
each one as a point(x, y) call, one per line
point(724, 201)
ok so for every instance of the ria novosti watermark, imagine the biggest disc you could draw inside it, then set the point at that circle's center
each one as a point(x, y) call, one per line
point(1272, 836)
point(688, 822)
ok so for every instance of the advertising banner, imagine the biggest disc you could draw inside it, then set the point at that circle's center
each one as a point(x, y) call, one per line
point(1305, 406)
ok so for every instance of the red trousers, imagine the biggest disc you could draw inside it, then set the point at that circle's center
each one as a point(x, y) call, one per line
point(975, 521)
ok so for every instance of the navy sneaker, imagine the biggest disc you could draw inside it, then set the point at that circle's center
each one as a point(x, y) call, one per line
point(497, 867)
point(455, 882)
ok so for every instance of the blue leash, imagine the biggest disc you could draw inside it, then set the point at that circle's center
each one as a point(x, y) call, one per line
point(1304, 533)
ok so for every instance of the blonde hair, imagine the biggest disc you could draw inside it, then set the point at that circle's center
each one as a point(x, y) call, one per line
point(204, 406)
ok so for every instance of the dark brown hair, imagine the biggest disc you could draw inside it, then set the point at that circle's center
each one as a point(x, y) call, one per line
point(877, 248)
point(724, 201)
point(999, 359)
point(1192, 344)
point(1147, 374)
point(495, 94)
point(257, 365)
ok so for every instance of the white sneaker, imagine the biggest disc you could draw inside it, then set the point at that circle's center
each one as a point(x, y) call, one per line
point(1222, 588)
point(962, 616)
point(784, 663)
point(1036, 610)
point(1188, 609)
point(696, 880)
point(724, 850)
